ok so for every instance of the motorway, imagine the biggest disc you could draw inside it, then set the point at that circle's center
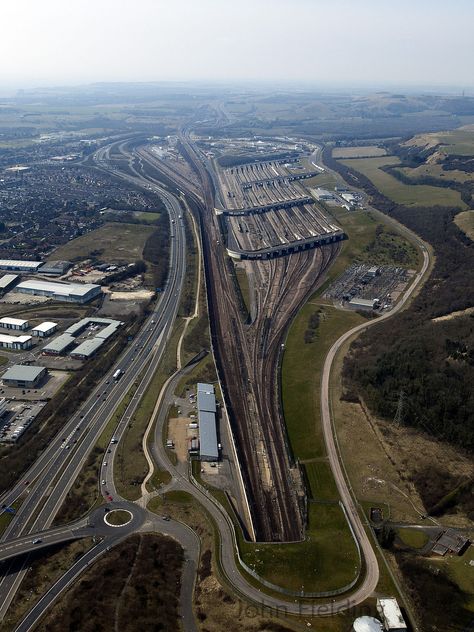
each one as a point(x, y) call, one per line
point(229, 566)
point(45, 485)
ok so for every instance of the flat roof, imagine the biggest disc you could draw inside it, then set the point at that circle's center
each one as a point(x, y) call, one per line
point(8, 338)
point(108, 331)
point(205, 388)
point(63, 289)
point(6, 263)
point(46, 326)
point(60, 343)
point(7, 279)
point(391, 612)
point(13, 321)
point(208, 435)
point(88, 347)
point(206, 402)
point(20, 373)
point(84, 322)
point(367, 302)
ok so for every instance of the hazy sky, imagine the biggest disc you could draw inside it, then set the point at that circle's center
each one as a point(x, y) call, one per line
point(343, 41)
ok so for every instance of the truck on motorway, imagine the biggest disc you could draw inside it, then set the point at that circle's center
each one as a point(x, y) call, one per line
point(117, 374)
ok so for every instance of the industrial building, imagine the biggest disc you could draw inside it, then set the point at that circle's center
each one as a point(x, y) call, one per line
point(21, 376)
point(15, 342)
point(70, 292)
point(363, 303)
point(19, 266)
point(77, 328)
point(59, 344)
point(390, 613)
point(87, 348)
point(43, 330)
point(13, 323)
point(206, 406)
point(55, 268)
point(6, 282)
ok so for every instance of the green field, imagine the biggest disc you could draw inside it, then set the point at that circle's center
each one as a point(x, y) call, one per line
point(415, 538)
point(458, 141)
point(301, 375)
point(320, 480)
point(326, 560)
point(368, 151)
point(410, 195)
point(465, 222)
point(435, 170)
point(111, 242)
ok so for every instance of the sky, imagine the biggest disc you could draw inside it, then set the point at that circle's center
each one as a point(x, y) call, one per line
point(356, 42)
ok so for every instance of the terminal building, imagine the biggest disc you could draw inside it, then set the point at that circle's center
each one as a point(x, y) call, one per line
point(69, 292)
point(21, 376)
point(19, 266)
point(13, 323)
point(15, 342)
point(206, 405)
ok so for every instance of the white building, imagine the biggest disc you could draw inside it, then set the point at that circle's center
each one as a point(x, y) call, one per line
point(391, 615)
point(13, 323)
point(70, 292)
point(15, 342)
point(44, 329)
point(19, 266)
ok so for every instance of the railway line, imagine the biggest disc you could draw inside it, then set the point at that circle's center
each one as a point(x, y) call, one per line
point(248, 357)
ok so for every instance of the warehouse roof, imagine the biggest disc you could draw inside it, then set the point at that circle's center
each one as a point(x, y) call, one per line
point(208, 435)
point(60, 343)
point(205, 388)
point(46, 326)
point(13, 321)
point(108, 331)
point(64, 289)
point(7, 279)
point(89, 347)
point(206, 402)
point(85, 322)
point(21, 373)
point(6, 338)
point(17, 263)
point(366, 302)
point(390, 611)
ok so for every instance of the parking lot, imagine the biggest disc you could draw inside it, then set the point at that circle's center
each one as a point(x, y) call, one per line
point(18, 418)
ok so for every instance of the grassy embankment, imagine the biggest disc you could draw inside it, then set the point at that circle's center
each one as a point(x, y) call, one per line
point(465, 222)
point(301, 374)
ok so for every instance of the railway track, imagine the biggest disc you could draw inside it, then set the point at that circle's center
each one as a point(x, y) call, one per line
point(248, 357)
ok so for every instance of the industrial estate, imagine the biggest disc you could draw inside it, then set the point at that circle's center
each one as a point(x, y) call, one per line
point(185, 350)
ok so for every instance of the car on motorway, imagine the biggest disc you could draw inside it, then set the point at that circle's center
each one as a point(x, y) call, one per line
point(27, 482)
point(103, 482)
point(36, 541)
point(109, 498)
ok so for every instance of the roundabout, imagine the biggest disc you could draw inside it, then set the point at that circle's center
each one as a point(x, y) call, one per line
point(118, 517)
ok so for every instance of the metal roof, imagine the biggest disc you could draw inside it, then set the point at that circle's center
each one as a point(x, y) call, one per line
point(22, 373)
point(366, 302)
point(205, 388)
point(17, 263)
point(46, 326)
point(206, 402)
point(60, 289)
point(7, 279)
point(208, 435)
point(7, 338)
point(88, 347)
point(389, 610)
point(108, 331)
point(60, 343)
point(13, 321)
point(367, 624)
point(85, 322)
